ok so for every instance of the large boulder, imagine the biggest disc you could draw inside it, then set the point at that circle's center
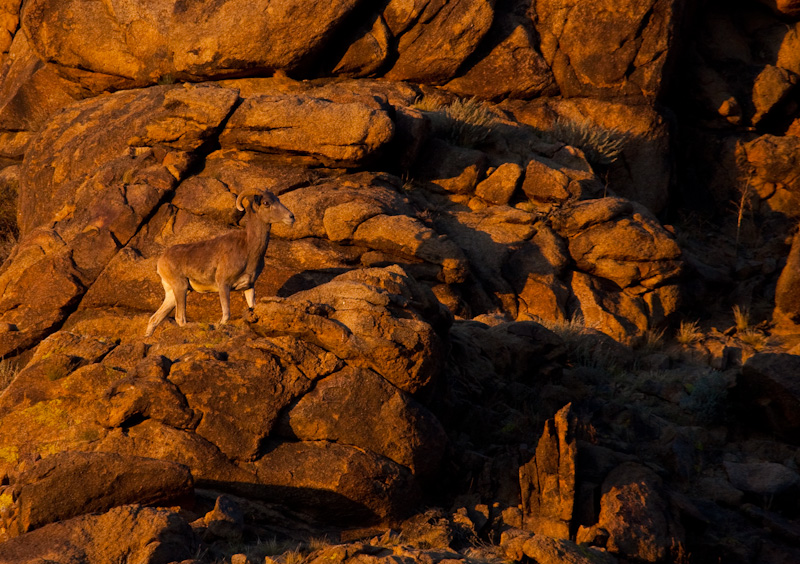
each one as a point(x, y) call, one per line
point(509, 49)
point(238, 394)
point(352, 317)
point(358, 407)
point(115, 130)
point(637, 518)
point(337, 483)
point(29, 93)
point(435, 38)
point(231, 405)
point(141, 43)
point(70, 484)
point(630, 249)
point(609, 48)
point(773, 170)
point(129, 533)
point(344, 133)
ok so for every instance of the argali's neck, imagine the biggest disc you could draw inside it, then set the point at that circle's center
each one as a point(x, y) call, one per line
point(257, 238)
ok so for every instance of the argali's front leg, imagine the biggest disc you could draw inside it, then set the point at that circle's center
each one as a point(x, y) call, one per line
point(225, 302)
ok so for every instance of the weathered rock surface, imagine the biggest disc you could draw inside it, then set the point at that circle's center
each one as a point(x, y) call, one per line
point(141, 43)
point(132, 533)
point(337, 483)
point(359, 408)
point(636, 517)
point(71, 484)
point(517, 544)
point(214, 400)
point(334, 133)
point(548, 480)
point(509, 49)
point(351, 394)
point(628, 52)
point(351, 316)
point(434, 38)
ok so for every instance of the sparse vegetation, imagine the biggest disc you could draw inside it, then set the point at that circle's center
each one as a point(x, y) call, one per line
point(689, 333)
point(600, 145)
point(741, 318)
point(707, 397)
point(754, 338)
point(278, 550)
point(465, 122)
point(743, 206)
point(584, 347)
point(8, 219)
point(8, 371)
point(651, 341)
point(7, 243)
point(166, 79)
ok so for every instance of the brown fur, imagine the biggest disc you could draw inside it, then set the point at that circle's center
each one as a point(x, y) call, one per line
point(232, 261)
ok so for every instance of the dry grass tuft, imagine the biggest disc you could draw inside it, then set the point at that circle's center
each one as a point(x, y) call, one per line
point(8, 371)
point(741, 318)
point(8, 219)
point(600, 145)
point(583, 347)
point(689, 333)
point(465, 122)
point(7, 243)
point(754, 338)
point(652, 341)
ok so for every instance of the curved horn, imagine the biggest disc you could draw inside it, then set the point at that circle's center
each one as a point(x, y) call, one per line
point(243, 194)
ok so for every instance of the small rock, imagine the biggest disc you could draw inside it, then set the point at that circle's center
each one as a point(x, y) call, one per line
point(225, 521)
point(500, 185)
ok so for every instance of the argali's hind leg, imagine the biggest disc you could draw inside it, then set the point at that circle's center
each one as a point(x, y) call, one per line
point(180, 301)
point(250, 297)
point(162, 312)
point(225, 302)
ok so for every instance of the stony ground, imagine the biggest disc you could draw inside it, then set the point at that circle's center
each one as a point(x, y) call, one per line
point(539, 303)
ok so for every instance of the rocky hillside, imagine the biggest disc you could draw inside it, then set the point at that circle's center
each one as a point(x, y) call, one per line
point(539, 303)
